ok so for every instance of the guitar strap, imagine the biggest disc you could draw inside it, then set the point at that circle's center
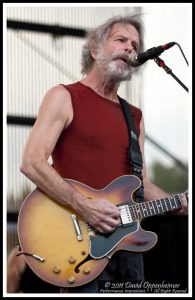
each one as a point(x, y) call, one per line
point(134, 153)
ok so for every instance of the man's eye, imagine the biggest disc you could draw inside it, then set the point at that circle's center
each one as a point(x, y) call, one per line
point(120, 40)
point(135, 47)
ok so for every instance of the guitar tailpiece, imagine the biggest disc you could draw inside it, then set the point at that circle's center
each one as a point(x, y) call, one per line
point(42, 259)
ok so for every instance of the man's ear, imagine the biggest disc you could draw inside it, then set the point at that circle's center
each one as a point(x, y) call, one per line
point(94, 52)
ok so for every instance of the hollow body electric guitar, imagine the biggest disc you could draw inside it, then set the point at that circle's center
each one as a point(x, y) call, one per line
point(63, 250)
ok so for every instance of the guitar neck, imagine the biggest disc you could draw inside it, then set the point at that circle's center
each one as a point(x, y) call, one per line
point(155, 207)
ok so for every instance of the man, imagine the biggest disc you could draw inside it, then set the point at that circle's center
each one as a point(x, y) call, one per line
point(83, 128)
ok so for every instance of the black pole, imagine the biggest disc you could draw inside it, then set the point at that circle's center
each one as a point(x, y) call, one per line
point(161, 64)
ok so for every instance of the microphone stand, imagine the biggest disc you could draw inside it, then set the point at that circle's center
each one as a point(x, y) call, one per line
point(161, 64)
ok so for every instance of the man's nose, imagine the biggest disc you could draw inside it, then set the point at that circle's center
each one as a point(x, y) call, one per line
point(129, 47)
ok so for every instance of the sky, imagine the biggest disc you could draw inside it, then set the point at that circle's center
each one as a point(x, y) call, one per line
point(166, 105)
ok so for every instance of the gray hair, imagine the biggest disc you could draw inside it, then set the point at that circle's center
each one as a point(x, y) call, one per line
point(97, 36)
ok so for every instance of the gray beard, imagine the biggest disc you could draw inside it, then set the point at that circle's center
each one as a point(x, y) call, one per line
point(121, 73)
point(113, 71)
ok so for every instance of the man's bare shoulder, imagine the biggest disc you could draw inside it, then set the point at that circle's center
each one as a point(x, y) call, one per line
point(58, 91)
point(57, 99)
point(57, 104)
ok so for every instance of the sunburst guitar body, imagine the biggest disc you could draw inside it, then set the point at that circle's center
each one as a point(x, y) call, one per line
point(62, 249)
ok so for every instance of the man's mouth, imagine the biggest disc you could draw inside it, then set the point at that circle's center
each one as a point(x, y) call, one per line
point(124, 59)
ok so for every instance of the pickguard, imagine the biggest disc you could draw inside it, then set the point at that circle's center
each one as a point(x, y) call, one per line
point(102, 245)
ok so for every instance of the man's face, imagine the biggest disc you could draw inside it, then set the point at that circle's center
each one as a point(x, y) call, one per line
point(112, 57)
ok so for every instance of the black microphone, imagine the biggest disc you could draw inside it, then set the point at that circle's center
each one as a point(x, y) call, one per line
point(152, 53)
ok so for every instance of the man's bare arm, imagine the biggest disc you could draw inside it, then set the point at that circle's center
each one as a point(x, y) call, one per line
point(55, 115)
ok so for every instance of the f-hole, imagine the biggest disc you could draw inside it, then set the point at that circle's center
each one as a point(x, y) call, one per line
point(81, 263)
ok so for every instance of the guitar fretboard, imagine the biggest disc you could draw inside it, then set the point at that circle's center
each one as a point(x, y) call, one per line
point(154, 207)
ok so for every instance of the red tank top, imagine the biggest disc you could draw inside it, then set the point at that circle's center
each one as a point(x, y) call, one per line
point(93, 149)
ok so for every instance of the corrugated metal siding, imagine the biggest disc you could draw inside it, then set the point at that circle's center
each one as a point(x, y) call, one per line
point(37, 61)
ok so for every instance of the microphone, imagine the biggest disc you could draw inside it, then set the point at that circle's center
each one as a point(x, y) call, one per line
point(151, 53)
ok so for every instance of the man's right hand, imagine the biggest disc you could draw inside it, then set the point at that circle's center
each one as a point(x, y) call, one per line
point(101, 214)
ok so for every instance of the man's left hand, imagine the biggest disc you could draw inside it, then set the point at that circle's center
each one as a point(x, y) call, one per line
point(184, 206)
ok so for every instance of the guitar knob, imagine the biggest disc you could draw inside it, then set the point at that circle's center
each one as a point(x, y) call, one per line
point(72, 259)
point(91, 233)
point(56, 270)
point(86, 270)
point(71, 279)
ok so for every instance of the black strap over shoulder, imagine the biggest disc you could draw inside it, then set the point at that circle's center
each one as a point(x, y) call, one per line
point(134, 153)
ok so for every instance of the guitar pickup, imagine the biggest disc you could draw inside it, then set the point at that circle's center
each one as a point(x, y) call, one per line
point(125, 214)
point(77, 228)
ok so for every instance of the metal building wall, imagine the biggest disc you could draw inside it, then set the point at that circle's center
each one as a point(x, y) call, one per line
point(38, 61)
